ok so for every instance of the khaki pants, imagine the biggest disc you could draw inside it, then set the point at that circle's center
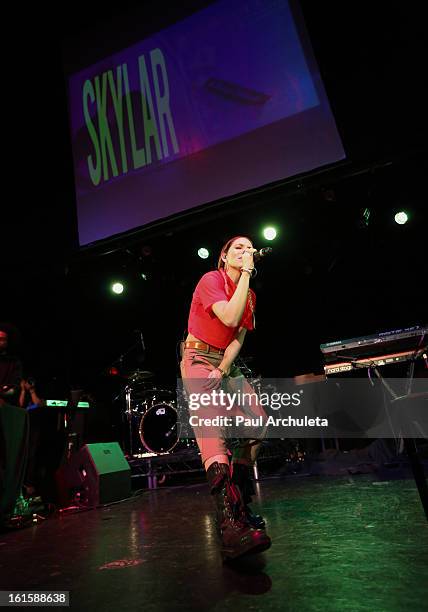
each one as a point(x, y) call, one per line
point(195, 367)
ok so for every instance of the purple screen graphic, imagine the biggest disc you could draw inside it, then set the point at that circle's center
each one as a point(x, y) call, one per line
point(223, 102)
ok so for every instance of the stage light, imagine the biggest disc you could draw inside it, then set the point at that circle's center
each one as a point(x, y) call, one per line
point(269, 233)
point(401, 217)
point(203, 253)
point(117, 288)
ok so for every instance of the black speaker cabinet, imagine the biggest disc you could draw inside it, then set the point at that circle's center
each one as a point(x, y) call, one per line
point(96, 474)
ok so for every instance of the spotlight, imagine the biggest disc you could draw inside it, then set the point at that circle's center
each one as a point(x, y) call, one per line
point(117, 288)
point(269, 233)
point(401, 217)
point(203, 253)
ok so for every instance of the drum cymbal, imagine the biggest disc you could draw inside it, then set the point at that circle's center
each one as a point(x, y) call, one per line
point(247, 358)
point(138, 375)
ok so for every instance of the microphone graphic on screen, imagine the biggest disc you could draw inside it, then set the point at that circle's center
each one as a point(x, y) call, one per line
point(262, 253)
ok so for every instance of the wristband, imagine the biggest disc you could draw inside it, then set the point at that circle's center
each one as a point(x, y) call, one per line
point(249, 270)
point(223, 373)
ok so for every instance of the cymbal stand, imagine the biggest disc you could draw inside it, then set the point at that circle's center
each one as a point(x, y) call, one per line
point(128, 412)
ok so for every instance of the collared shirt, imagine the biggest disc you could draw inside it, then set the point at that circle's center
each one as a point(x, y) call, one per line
point(216, 286)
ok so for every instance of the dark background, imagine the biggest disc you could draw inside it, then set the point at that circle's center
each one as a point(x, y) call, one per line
point(329, 276)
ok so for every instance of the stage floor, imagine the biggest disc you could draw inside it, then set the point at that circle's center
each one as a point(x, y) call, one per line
point(339, 543)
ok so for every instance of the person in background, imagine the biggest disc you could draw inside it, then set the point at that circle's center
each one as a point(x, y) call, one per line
point(28, 397)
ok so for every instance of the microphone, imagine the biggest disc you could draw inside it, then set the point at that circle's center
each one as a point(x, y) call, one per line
point(262, 253)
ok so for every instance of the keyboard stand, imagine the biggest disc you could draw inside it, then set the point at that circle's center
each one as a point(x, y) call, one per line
point(410, 443)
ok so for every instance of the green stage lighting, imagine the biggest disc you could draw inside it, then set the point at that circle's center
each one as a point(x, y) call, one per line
point(269, 233)
point(203, 253)
point(117, 288)
point(401, 217)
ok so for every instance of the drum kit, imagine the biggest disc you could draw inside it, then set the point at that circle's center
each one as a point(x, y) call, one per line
point(151, 417)
point(150, 414)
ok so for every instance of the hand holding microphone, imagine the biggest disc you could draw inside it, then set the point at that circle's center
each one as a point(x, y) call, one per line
point(251, 255)
point(248, 259)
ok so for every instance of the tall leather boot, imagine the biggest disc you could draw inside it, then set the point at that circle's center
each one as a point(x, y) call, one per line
point(237, 536)
point(242, 477)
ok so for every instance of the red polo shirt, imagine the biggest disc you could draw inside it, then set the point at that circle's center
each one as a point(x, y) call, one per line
point(215, 287)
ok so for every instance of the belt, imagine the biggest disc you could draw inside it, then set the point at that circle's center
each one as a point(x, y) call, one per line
point(202, 346)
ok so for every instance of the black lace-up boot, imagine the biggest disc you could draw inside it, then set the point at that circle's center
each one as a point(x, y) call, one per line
point(237, 536)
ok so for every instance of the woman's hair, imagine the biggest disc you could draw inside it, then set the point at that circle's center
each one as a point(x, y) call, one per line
point(225, 249)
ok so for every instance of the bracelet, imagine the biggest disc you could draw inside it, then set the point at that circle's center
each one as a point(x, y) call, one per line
point(223, 373)
point(249, 270)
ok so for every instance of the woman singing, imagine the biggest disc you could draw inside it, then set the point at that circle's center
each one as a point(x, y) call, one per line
point(221, 312)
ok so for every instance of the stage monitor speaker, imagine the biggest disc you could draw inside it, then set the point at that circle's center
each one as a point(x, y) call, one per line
point(94, 475)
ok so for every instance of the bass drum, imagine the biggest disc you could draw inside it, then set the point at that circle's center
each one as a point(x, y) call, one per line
point(159, 426)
